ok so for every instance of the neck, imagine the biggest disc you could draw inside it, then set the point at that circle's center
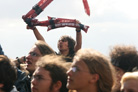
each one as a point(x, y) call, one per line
point(64, 52)
point(1, 90)
point(88, 89)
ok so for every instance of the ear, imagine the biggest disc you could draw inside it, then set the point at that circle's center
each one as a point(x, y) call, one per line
point(57, 86)
point(94, 78)
point(1, 85)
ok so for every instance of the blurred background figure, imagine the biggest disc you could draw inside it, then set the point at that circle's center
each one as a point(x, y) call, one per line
point(7, 75)
point(129, 82)
point(1, 51)
point(124, 58)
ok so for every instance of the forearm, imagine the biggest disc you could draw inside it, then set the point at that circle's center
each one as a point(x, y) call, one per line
point(38, 35)
point(78, 41)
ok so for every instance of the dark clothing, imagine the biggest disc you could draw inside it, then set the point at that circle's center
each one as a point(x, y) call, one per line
point(68, 58)
point(23, 82)
point(1, 51)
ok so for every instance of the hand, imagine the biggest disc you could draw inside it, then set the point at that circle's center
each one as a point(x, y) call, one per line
point(21, 60)
point(32, 28)
point(78, 29)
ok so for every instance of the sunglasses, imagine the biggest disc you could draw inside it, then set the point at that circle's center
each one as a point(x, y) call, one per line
point(34, 54)
point(74, 69)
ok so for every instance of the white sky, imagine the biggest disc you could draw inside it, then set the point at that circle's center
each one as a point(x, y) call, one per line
point(111, 22)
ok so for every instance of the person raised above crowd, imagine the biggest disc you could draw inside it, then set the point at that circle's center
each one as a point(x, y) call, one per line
point(124, 58)
point(129, 82)
point(66, 44)
point(90, 72)
point(7, 75)
point(50, 75)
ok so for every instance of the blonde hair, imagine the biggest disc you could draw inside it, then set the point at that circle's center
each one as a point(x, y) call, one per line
point(129, 76)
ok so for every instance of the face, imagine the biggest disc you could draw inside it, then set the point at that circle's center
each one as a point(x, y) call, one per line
point(32, 58)
point(119, 74)
point(63, 45)
point(78, 71)
point(41, 81)
point(130, 86)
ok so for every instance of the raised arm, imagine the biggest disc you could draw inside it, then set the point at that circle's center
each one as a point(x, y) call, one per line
point(36, 33)
point(78, 40)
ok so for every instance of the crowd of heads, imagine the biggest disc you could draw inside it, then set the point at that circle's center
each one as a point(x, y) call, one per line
point(89, 71)
point(124, 59)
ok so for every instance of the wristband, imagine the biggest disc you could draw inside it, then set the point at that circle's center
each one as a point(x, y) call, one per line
point(78, 30)
point(34, 28)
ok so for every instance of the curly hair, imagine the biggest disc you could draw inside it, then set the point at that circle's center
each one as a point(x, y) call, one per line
point(124, 57)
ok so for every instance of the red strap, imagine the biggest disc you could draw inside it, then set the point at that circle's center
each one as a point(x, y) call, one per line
point(42, 4)
point(86, 7)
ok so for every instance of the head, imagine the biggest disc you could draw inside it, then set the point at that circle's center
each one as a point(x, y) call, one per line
point(125, 59)
point(39, 49)
point(66, 43)
point(129, 82)
point(7, 74)
point(50, 75)
point(95, 70)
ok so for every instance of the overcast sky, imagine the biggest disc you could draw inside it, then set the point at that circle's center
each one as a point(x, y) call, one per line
point(111, 22)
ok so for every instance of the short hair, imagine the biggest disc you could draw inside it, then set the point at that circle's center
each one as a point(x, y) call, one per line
point(99, 64)
point(7, 73)
point(44, 48)
point(57, 68)
point(124, 57)
point(71, 43)
point(129, 76)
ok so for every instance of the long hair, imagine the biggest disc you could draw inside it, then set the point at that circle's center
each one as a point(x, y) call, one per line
point(98, 64)
point(44, 48)
point(71, 43)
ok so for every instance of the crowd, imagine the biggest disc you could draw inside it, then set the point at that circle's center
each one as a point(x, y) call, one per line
point(72, 69)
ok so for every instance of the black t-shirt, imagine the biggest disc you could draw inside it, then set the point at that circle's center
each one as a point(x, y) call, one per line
point(67, 58)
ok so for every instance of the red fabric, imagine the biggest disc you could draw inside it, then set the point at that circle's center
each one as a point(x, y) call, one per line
point(42, 4)
point(53, 23)
point(62, 22)
point(86, 7)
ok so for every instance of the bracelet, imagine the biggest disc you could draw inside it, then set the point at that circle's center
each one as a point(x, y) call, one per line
point(78, 30)
point(34, 28)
